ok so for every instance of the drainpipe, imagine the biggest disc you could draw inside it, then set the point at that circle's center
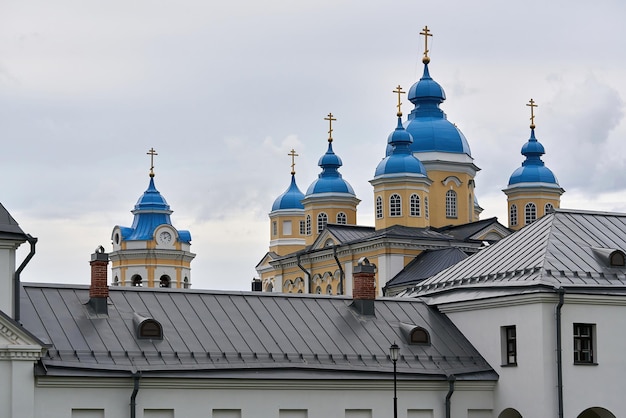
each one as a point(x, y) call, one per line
point(451, 380)
point(133, 396)
point(559, 359)
point(308, 275)
point(16, 279)
point(341, 273)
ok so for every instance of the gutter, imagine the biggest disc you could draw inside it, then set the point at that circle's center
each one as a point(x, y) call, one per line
point(559, 359)
point(308, 275)
point(340, 290)
point(133, 397)
point(16, 279)
point(451, 380)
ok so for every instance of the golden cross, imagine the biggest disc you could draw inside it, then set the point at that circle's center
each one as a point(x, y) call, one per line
point(152, 153)
point(426, 33)
point(293, 156)
point(330, 120)
point(532, 105)
point(399, 91)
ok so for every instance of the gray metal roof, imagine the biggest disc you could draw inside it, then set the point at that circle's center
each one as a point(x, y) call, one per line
point(471, 230)
point(9, 228)
point(256, 334)
point(555, 251)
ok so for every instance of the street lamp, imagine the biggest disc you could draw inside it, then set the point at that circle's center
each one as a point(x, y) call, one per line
point(394, 351)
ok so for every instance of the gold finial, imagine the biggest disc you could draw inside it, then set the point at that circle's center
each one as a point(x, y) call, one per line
point(152, 153)
point(399, 91)
point(293, 156)
point(532, 105)
point(330, 120)
point(426, 33)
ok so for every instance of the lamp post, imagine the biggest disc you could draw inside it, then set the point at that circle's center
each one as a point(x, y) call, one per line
point(394, 351)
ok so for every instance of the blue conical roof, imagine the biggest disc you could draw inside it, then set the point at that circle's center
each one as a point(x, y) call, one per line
point(401, 159)
point(330, 180)
point(533, 169)
point(291, 198)
point(427, 123)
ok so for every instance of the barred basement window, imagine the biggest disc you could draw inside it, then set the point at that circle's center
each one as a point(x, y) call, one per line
point(451, 204)
point(513, 215)
point(530, 213)
point(583, 343)
point(415, 209)
point(395, 205)
point(342, 219)
point(322, 220)
point(379, 207)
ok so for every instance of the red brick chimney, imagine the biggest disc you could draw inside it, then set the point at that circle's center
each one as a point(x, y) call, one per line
point(99, 288)
point(364, 287)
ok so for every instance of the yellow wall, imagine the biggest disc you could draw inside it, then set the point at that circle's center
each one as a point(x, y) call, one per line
point(331, 209)
point(464, 198)
point(522, 197)
point(385, 191)
point(279, 233)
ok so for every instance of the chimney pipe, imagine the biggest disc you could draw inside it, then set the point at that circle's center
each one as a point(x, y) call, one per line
point(257, 285)
point(99, 288)
point(364, 287)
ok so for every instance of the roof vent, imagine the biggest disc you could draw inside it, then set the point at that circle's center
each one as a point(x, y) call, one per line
point(610, 257)
point(147, 328)
point(415, 334)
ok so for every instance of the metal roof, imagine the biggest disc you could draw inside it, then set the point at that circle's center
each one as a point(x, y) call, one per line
point(9, 227)
point(242, 333)
point(473, 229)
point(559, 250)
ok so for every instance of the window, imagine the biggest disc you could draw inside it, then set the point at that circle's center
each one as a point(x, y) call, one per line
point(342, 219)
point(451, 204)
point(318, 290)
point(583, 343)
point(322, 220)
point(617, 259)
point(548, 208)
point(419, 336)
point(513, 215)
point(186, 283)
point(329, 290)
point(426, 207)
point(302, 228)
point(379, 207)
point(509, 346)
point(531, 213)
point(274, 228)
point(136, 280)
point(286, 227)
point(165, 281)
point(415, 209)
point(395, 205)
point(308, 224)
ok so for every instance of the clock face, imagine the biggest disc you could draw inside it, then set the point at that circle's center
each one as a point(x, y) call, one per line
point(165, 237)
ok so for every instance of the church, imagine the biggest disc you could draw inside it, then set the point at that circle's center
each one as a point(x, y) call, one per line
point(430, 313)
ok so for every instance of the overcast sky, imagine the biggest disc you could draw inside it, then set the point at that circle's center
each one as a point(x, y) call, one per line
point(224, 90)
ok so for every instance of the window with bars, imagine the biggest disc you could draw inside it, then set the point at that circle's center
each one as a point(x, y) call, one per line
point(379, 207)
point(583, 343)
point(308, 224)
point(509, 346)
point(530, 213)
point(322, 220)
point(549, 207)
point(395, 205)
point(342, 219)
point(415, 208)
point(302, 228)
point(426, 207)
point(451, 204)
point(513, 215)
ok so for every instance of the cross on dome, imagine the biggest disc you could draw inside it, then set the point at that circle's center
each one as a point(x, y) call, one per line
point(532, 105)
point(152, 153)
point(293, 156)
point(399, 91)
point(330, 120)
point(426, 33)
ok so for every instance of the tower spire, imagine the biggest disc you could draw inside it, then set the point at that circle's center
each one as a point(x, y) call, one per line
point(426, 33)
point(330, 120)
point(532, 105)
point(293, 156)
point(399, 91)
point(151, 152)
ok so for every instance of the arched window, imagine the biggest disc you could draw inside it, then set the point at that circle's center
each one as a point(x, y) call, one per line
point(116, 281)
point(395, 205)
point(136, 280)
point(318, 290)
point(308, 224)
point(548, 208)
point(165, 281)
point(186, 282)
point(322, 220)
point(426, 214)
point(379, 207)
point(342, 219)
point(419, 336)
point(451, 204)
point(415, 206)
point(329, 290)
point(513, 215)
point(530, 213)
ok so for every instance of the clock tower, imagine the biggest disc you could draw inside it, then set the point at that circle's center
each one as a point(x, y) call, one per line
point(151, 252)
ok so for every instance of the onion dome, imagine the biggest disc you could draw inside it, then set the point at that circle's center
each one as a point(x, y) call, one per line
point(431, 130)
point(533, 169)
point(291, 198)
point(401, 159)
point(330, 180)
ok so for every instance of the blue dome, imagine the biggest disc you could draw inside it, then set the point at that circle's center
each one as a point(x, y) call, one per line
point(329, 180)
point(533, 169)
point(290, 199)
point(150, 212)
point(431, 130)
point(401, 158)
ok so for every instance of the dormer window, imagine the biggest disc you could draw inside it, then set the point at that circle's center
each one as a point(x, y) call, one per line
point(147, 328)
point(415, 334)
point(617, 259)
point(610, 257)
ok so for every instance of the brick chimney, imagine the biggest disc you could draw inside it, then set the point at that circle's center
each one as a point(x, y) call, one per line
point(364, 287)
point(99, 288)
